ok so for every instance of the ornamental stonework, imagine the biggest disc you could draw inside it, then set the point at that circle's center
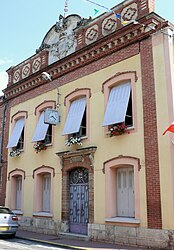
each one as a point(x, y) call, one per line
point(91, 34)
point(36, 64)
point(26, 70)
point(16, 76)
point(129, 13)
point(109, 25)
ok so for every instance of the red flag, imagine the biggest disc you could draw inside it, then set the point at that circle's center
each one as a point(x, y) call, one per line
point(170, 128)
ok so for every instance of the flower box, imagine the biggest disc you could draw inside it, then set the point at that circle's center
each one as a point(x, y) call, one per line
point(73, 140)
point(15, 153)
point(118, 129)
point(39, 146)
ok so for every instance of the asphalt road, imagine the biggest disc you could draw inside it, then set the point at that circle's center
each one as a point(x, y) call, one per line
point(20, 244)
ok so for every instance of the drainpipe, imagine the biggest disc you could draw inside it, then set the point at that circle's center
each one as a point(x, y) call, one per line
point(2, 134)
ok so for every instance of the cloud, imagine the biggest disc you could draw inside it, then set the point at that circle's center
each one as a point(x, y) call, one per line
point(5, 61)
point(3, 81)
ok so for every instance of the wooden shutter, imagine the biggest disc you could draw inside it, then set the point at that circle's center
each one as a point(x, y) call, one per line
point(125, 192)
point(18, 192)
point(46, 193)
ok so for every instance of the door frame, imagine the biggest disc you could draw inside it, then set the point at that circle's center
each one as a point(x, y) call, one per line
point(73, 159)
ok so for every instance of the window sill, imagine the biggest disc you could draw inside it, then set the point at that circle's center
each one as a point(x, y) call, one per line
point(17, 212)
point(49, 144)
point(123, 220)
point(42, 214)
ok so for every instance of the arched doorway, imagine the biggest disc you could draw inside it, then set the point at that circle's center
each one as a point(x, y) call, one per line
point(81, 160)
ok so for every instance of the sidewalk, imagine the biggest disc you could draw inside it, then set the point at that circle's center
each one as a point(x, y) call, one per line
point(70, 243)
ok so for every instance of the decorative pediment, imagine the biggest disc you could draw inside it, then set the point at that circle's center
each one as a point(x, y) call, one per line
point(60, 40)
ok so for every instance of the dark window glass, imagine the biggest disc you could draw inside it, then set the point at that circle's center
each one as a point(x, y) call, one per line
point(48, 137)
point(20, 144)
point(129, 118)
point(82, 131)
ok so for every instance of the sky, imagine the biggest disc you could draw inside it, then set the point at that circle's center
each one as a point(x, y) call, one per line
point(24, 24)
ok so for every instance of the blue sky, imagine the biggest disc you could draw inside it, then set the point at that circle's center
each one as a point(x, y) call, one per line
point(24, 23)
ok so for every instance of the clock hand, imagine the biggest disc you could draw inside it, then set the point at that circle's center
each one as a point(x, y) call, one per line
point(53, 117)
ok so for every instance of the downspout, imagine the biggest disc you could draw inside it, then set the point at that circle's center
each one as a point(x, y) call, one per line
point(2, 135)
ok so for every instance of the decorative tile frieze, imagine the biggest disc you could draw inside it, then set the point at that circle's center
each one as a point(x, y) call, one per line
point(109, 25)
point(129, 13)
point(16, 76)
point(91, 34)
point(37, 64)
point(26, 70)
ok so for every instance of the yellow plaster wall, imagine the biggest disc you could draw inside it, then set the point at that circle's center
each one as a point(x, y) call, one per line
point(107, 148)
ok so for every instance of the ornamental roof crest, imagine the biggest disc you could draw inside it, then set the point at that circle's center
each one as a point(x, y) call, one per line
point(60, 40)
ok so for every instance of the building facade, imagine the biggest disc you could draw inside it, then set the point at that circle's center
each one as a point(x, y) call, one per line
point(85, 117)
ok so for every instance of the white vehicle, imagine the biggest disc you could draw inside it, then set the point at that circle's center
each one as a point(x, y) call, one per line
point(8, 222)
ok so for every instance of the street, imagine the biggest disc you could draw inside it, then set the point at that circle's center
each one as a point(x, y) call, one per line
point(20, 244)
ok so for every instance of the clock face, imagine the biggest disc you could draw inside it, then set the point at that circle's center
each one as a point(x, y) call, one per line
point(51, 116)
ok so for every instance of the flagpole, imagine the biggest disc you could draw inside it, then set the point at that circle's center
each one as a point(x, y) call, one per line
point(66, 8)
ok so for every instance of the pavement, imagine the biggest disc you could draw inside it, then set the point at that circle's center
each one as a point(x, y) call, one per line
point(68, 243)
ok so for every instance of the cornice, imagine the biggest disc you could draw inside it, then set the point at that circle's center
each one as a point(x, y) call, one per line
point(116, 41)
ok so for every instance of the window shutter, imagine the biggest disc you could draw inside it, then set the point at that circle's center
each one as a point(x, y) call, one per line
point(46, 193)
point(18, 192)
point(14, 138)
point(74, 117)
point(41, 129)
point(117, 104)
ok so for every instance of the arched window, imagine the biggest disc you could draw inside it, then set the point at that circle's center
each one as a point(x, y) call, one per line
point(43, 132)
point(120, 106)
point(16, 189)
point(16, 140)
point(43, 191)
point(122, 189)
point(77, 121)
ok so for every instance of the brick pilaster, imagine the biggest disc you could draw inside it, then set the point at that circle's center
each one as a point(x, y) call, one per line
point(150, 136)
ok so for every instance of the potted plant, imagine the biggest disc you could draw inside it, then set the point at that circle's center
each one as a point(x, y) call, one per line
point(73, 140)
point(15, 152)
point(39, 146)
point(118, 129)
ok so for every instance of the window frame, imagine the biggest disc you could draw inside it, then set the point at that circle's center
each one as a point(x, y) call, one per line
point(77, 94)
point(45, 178)
point(38, 175)
point(110, 168)
point(118, 79)
point(14, 118)
point(38, 110)
point(12, 191)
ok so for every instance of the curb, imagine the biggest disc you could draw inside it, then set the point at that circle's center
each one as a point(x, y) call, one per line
point(51, 243)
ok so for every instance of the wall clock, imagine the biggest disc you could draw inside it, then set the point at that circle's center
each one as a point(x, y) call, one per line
point(51, 116)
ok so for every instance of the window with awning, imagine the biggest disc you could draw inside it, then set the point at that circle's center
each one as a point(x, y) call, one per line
point(75, 115)
point(16, 133)
point(41, 129)
point(117, 104)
